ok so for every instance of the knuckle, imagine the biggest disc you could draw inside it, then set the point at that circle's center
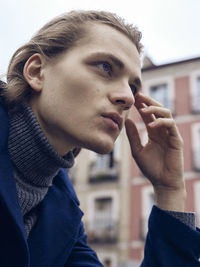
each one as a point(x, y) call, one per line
point(168, 113)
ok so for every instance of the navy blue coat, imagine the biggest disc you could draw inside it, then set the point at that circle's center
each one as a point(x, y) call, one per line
point(58, 238)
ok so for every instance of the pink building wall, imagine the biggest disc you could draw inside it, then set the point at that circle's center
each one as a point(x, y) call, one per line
point(184, 118)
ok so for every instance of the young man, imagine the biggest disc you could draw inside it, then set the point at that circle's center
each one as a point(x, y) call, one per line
point(72, 86)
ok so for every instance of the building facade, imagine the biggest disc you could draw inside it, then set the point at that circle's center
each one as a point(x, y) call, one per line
point(177, 87)
point(102, 183)
point(114, 195)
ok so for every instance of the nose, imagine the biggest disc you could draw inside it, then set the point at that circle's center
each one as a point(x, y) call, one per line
point(122, 97)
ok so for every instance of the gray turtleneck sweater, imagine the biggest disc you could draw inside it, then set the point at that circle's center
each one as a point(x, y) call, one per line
point(35, 163)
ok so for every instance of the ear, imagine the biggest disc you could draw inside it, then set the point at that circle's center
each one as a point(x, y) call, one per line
point(33, 70)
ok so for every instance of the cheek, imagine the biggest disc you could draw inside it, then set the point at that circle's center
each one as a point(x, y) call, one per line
point(74, 91)
point(81, 92)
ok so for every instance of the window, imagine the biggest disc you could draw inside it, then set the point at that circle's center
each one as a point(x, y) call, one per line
point(102, 213)
point(102, 216)
point(196, 93)
point(109, 259)
point(105, 167)
point(196, 145)
point(160, 93)
point(162, 90)
point(104, 162)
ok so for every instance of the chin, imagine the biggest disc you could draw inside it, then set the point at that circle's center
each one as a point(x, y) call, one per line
point(101, 147)
point(103, 150)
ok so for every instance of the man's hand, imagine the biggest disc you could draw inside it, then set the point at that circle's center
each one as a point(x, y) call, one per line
point(161, 159)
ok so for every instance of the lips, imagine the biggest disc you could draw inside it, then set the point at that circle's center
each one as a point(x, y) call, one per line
point(114, 117)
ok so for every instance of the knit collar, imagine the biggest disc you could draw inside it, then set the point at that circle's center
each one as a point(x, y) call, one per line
point(32, 155)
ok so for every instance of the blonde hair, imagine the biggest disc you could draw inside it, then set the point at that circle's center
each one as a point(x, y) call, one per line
point(57, 36)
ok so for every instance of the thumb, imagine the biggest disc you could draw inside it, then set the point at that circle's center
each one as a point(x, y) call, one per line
point(133, 137)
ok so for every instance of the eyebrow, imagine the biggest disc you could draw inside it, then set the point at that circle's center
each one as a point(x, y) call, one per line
point(113, 58)
point(116, 61)
point(120, 65)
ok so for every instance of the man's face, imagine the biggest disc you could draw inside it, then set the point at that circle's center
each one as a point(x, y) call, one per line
point(87, 92)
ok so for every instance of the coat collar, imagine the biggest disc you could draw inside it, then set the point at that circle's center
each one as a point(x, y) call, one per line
point(10, 208)
point(57, 228)
point(8, 191)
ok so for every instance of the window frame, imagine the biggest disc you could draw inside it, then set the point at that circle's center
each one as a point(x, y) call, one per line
point(103, 194)
point(193, 92)
point(195, 128)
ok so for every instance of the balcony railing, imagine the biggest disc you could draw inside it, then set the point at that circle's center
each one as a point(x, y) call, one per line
point(105, 175)
point(102, 231)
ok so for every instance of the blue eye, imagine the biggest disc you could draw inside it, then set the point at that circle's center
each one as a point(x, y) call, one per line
point(106, 67)
point(133, 89)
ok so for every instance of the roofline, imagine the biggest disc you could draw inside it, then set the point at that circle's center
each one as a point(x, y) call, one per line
point(154, 67)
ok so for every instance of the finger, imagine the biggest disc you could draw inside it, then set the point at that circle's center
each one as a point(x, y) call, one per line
point(142, 101)
point(168, 124)
point(133, 137)
point(150, 109)
point(156, 111)
point(141, 98)
point(147, 117)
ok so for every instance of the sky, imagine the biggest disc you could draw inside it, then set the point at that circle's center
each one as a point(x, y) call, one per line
point(170, 28)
